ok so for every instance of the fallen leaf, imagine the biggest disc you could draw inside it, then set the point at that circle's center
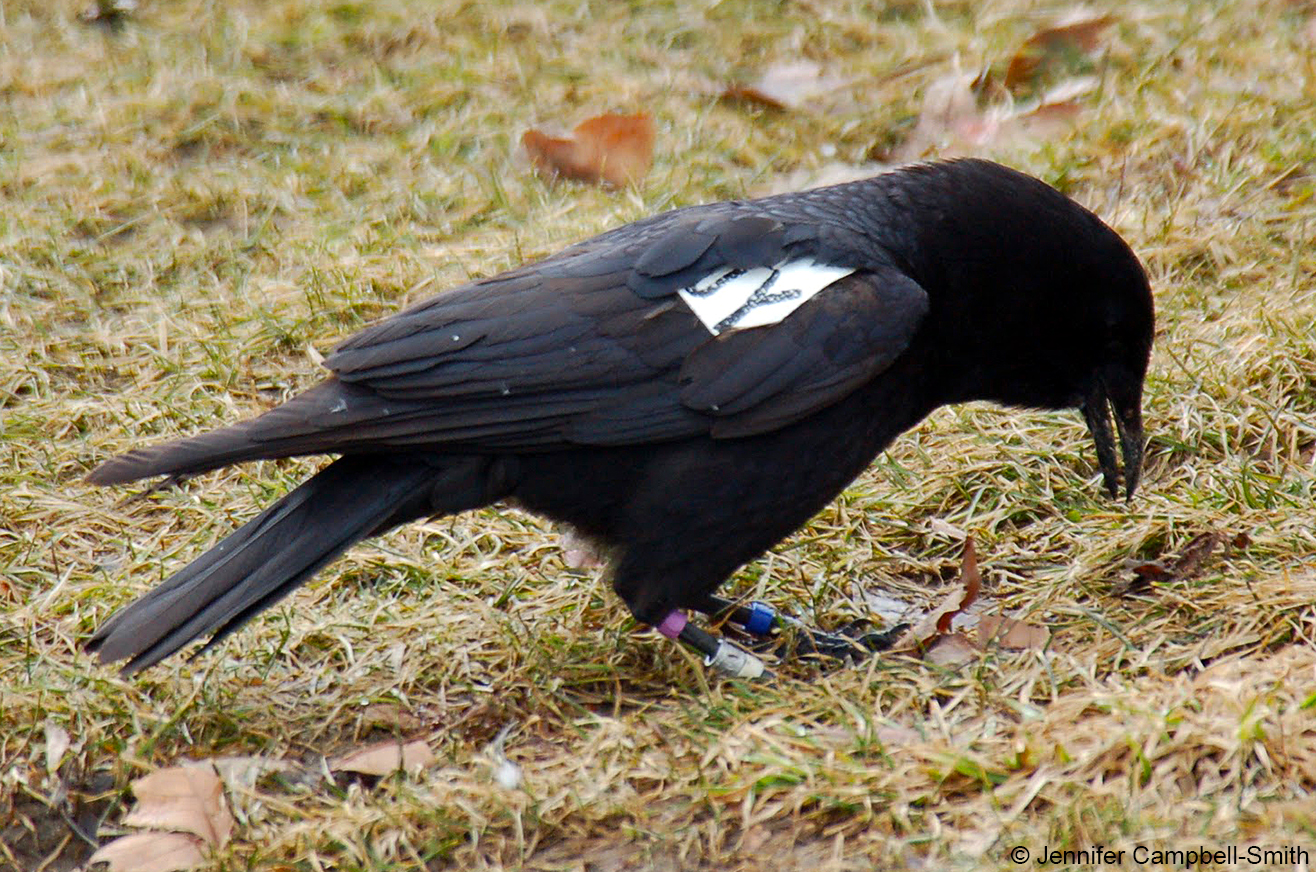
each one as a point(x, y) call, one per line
point(385, 758)
point(1010, 633)
point(937, 622)
point(938, 527)
point(617, 149)
point(1194, 555)
point(1144, 575)
point(951, 122)
point(949, 115)
point(971, 581)
point(244, 771)
point(151, 852)
point(57, 745)
point(186, 798)
point(789, 85)
point(1189, 564)
point(389, 714)
point(1154, 570)
point(1077, 32)
point(952, 649)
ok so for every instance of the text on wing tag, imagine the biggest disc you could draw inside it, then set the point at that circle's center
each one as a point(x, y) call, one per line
point(733, 299)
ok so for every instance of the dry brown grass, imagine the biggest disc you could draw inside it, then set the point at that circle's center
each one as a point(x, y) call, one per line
point(193, 201)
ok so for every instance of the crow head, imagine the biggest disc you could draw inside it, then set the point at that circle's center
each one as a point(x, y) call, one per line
point(1111, 325)
point(1043, 306)
point(1111, 317)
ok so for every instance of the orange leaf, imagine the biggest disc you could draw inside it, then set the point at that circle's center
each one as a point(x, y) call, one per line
point(617, 149)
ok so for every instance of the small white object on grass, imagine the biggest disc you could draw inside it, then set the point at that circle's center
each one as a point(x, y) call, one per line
point(506, 773)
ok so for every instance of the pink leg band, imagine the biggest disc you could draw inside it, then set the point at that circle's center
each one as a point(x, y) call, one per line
point(673, 624)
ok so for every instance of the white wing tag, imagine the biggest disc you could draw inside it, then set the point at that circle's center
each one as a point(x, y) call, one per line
point(732, 299)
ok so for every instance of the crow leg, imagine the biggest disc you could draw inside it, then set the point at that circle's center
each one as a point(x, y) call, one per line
point(720, 654)
point(793, 637)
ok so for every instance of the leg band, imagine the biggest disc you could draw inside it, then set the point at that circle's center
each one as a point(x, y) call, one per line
point(760, 618)
point(673, 624)
point(733, 661)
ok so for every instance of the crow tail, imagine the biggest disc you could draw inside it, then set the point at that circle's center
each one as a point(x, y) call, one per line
point(271, 555)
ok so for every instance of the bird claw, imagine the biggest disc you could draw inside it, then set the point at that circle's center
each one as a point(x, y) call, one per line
point(850, 645)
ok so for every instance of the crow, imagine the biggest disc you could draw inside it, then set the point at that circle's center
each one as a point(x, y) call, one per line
point(686, 390)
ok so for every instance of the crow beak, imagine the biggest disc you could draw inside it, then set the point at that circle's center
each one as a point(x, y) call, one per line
point(1097, 408)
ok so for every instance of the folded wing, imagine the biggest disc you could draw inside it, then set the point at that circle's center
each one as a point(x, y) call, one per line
point(596, 346)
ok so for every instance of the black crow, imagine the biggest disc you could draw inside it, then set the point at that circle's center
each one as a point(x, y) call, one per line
point(686, 390)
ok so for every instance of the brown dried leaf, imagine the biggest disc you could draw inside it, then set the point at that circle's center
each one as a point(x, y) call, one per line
point(187, 798)
point(937, 622)
point(1050, 117)
point(951, 122)
point(1189, 564)
point(1155, 570)
point(1144, 574)
point(953, 649)
point(1078, 31)
point(1195, 553)
point(389, 714)
point(970, 579)
point(949, 116)
point(151, 852)
point(617, 149)
point(788, 85)
point(1011, 633)
point(385, 758)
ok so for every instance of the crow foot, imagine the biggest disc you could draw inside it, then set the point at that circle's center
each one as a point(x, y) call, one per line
point(789, 637)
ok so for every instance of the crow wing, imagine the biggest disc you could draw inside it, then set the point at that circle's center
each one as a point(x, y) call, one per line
point(598, 345)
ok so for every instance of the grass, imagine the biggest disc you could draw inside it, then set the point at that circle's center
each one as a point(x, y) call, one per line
point(199, 199)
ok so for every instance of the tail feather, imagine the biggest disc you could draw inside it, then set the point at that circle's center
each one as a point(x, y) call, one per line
point(270, 556)
point(281, 432)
